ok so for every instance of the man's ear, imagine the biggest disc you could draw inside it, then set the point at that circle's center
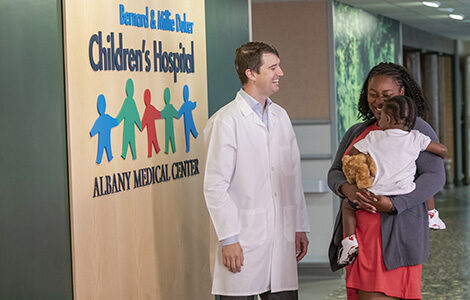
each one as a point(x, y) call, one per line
point(388, 118)
point(250, 74)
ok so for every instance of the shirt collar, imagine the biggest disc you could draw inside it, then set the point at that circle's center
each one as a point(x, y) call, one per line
point(252, 102)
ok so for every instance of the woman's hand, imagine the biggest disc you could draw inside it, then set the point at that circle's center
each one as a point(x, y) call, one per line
point(364, 199)
point(383, 204)
point(379, 203)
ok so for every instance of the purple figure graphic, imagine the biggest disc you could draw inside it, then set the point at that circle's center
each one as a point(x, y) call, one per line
point(148, 120)
point(103, 126)
point(187, 111)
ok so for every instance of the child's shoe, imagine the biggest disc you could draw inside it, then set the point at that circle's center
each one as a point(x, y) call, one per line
point(434, 221)
point(347, 254)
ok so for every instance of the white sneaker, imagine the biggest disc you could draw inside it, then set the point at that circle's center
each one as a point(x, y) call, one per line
point(347, 254)
point(434, 221)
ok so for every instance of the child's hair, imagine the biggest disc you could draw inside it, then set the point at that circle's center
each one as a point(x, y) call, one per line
point(401, 109)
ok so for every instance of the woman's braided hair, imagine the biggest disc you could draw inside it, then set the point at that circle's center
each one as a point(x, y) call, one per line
point(403, 78)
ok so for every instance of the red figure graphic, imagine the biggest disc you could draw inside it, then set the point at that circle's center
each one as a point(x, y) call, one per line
point(148, 120)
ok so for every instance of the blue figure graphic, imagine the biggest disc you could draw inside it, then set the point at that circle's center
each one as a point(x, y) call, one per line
point(187, 111)
point(130, 115)
point(103, 126)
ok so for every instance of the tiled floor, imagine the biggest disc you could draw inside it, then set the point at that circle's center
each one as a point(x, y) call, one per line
point(447, 273)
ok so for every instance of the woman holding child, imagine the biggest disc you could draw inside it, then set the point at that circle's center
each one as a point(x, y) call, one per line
point(391, 230)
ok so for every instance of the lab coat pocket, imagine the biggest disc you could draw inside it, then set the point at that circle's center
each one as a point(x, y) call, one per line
point(289, 223)
point(286, 161)
point(253, 227)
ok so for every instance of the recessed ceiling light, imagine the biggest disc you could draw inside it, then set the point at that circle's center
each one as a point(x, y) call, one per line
point(456, 17)
point(432, 3)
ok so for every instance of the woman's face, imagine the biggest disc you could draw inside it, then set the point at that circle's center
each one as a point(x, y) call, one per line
point(380, 89)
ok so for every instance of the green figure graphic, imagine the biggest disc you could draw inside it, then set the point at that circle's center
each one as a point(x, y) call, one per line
point(168, 113)
point(130, 115)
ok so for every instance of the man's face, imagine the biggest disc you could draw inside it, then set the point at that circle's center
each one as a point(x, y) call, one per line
point(267, 80)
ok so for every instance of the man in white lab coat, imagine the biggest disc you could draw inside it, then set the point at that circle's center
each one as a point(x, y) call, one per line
point(253, 186)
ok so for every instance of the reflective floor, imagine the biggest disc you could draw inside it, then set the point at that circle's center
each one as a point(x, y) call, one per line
point(446, 275)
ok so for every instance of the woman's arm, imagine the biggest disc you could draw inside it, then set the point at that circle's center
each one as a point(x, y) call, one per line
point(336, 178)
point(430, 175)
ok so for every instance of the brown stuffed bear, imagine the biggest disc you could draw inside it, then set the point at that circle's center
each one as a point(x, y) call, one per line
point(359, 169)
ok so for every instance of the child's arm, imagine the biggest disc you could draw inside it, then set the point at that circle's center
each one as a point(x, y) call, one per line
point(354, 151)
point(437, 148)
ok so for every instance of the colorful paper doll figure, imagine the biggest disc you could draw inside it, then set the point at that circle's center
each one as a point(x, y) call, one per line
point(148, 120)
point(130, 115)
point(168, 113)
point(103, 125)
point(186, 110)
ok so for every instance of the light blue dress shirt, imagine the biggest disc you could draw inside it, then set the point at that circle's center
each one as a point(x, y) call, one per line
point(264, 117)
point(257, 107)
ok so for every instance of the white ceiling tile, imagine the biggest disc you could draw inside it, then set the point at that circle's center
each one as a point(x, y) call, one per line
point(413, 13)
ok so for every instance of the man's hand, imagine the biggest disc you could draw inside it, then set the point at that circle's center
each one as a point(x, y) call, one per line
point(232, 257)
point(301, 245)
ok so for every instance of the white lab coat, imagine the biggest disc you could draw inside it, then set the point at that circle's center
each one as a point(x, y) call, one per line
point(253, 188)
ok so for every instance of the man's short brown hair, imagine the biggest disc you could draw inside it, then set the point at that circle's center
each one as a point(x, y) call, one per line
point(248, 57)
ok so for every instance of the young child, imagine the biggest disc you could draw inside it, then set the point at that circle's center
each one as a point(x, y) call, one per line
point(394, 150)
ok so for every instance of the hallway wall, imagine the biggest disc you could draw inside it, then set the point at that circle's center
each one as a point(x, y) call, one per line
point(227, 27)
point(300, 32)
point(35, 258)
point(427, 43)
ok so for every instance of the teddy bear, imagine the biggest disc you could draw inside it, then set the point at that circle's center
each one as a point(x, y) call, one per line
point(359, 169)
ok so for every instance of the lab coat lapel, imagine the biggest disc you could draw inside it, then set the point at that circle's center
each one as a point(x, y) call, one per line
point(248, 112)
point(273, 117)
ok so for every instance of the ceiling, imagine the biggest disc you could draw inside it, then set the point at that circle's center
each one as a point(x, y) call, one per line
point(415, 14)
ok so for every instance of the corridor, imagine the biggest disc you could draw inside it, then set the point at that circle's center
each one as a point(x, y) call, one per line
point(446, 275)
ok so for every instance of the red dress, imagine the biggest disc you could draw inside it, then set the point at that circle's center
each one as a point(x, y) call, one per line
point(368, 272)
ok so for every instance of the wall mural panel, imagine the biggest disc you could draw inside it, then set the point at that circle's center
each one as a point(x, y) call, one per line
point(362, 40)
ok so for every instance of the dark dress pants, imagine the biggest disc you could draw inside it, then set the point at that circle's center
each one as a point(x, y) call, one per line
point(286, 295)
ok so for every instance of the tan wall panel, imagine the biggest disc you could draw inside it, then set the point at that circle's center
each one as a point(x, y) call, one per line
point(299, 30)
point(150, 242)
point(446, 108)
point(430, 76)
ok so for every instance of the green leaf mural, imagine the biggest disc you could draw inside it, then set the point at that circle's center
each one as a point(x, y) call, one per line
point(362, 40)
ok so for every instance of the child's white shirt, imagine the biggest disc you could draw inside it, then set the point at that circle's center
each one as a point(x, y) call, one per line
point(394, 152)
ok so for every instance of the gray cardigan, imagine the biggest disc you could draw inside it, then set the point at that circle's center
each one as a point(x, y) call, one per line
point(404, 235)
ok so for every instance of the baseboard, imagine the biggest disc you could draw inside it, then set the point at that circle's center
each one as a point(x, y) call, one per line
point(318, 271)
